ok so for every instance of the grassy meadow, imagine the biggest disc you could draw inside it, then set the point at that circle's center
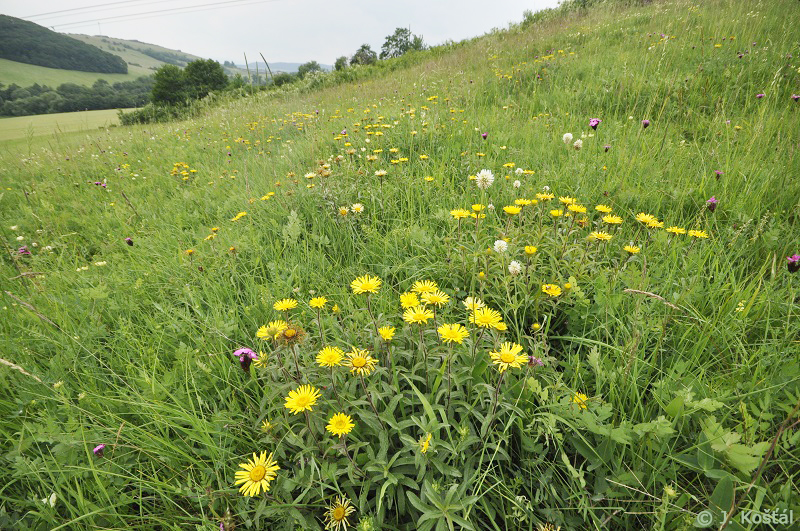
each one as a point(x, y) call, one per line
point(21, 128)
point(437, 297)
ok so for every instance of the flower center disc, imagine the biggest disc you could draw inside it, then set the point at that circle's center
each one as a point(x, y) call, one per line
point(359, 362)
point(338, 513)
point(258, 473)
point(507, 357)
point(290, 332)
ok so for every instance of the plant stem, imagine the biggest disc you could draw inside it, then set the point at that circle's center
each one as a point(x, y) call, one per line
point(314, 435)
point(371, 403)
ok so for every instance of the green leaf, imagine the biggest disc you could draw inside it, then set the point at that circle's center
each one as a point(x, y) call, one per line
point(705, 457)
point(722, 497)
point(425, 404)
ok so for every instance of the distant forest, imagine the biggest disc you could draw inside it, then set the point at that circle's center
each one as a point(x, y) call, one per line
point(26, 42)
point(68, 97)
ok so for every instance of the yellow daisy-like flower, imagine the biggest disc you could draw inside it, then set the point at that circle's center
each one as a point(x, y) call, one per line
point(336, 515)
point(238, 216)
point(343, 210)
point(523, 202)
point(318, 302)
point(599, 236)
point(408, 300)
point(459, 213)
point(360, 362)
point(386, 332)
point(512, 210)
point(580, 399)
point(472, 304)
point(612, 219)
point(340, 424)
point(284, 305)
point(477, 207)
point(655, 224)
point(632, 249)
point(508, 356)
point(190, 252)
point(301, 399)
point(425, 443)
point(676, 230)
point(551, 289)
point(266, 426)
point(365, 284)
point(530, 249)
point(436, 298)
point(567, 200)
point(641, 217)
point(556, 213)
point(417, 315)
point(544, 197)
point(487, 318)
point(330, 357)
point(424, 286)
point(257, 474)
point(453, 333)
point(605, 209)
point(578, 209)
point(272, 330)
point(698, 234)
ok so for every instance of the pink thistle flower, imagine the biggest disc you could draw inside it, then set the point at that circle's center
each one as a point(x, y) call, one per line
point(98, 450)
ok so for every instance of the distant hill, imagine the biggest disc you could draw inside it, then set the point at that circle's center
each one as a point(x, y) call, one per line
point(30, 43)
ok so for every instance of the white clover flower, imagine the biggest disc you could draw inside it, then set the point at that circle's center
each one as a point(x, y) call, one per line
point(515, 268)
point(500, 246)
point(100, 264)
point(567, 138)
point(484, 179)
point(519, 171)
point(578, 144)
point(20, 238)
point(490, 206)
point(517, 184)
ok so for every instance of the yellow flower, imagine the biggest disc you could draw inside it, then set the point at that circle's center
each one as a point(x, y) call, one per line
point(567, 200)
point(544, 197)
point(330, 357)
point(408, 300)
point(425, 443)
point(257, 474)
point(365, 284)
point(477, 207)
point(335, 308)
point(508, 356)
point(641, 217)
point(301, 399)
point(360, 362)
point(459, 213)
point(556, 213)
point(238, 216)
point(386, 332)
point(578, 209)
point(272, 330)
point(486, 318)
point(512, 210)
point(676, 230)
point(424, 286)
point(551, 289)
point(343, 210)
point(417, 315)
point(284, 305)
point(472, 304)
point(612, 219)
point(190, 252)
point(336, 515)
point(266, 426)
point(453, 333)
point(318, 302)
point(437, 298)
point(599, 236)
point(580, 399)
point(605, 209)
point(698, 234)
point(340, 424)
point(530, 249)
point(655, 224)
point(632, 249)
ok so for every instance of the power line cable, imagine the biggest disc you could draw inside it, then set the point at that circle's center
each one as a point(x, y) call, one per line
point(101, 7)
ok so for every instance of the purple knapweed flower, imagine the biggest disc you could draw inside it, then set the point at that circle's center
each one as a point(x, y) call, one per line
point(484, 135)
point(712, 204)
point(535, 362)
point(645, 124)
point(796, 97)
point(246, 356)
point(594, 122)
point(719, 173)
point(759, 96)
point(793, 263)
point(344, 132)
point(98, 450)
point(97, 183)
point(24, 250)
point(129, 241)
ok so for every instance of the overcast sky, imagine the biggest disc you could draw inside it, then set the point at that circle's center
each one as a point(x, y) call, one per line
point(283, 30)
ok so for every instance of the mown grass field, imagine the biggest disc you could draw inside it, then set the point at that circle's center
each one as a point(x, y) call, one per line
point(165, 341)
point(26, 75)
point(23, 127)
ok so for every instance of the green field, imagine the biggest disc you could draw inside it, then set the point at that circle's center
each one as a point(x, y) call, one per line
point(541, 279)
point(23, 127)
